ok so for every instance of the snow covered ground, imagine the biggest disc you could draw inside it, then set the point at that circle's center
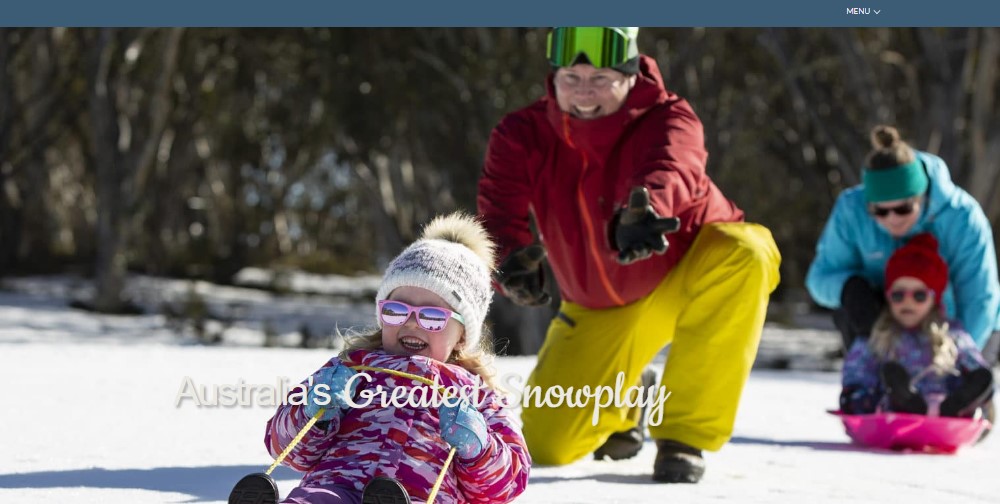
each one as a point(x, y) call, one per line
point(89, 410)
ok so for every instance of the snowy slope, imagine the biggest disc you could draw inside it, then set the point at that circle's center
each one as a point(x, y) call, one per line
point(90, 414)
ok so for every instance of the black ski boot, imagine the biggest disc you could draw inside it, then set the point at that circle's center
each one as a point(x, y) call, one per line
point(677, 462)
point(626, 444)
point(976, 389)
point(384, 490)
point(257, 488)
point(902, 398)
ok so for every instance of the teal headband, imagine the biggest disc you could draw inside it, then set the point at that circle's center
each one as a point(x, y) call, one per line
point(901, 182)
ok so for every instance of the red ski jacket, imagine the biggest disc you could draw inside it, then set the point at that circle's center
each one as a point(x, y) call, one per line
point(574, 174)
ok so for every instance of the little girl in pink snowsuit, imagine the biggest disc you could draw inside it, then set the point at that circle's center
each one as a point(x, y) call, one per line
point(430, 309)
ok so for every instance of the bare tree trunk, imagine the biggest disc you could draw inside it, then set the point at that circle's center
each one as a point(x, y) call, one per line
point(9, 235)
point(144, 154)
point(111, 259)
point(124, 157)
point(776, 42)
point(235, 254)
point(40, 104)
point(944, 90)
point(6, 93)
point(861, 76)
point(388, 239)
point(984, 126)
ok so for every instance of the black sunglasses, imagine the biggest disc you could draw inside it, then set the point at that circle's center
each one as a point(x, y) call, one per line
point(903, 209)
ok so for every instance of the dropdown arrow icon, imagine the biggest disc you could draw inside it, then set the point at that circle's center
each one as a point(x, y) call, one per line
point(877, 11)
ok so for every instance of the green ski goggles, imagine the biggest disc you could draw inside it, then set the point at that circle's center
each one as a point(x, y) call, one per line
point(604, 47)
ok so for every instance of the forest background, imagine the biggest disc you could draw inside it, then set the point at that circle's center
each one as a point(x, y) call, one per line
point(197, 153)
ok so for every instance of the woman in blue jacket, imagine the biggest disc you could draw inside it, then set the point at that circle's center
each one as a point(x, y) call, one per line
point(905, 192)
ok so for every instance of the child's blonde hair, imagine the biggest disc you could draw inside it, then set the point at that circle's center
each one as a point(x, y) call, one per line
point(478, 360)
point(886, 332)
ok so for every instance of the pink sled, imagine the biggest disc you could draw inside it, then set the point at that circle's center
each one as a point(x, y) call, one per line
point(906, 431)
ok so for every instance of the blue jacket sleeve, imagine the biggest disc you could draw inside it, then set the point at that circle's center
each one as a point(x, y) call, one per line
point(973, 274)
point(836, 257)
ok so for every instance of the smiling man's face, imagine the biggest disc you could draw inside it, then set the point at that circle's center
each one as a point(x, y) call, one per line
point(587, 92)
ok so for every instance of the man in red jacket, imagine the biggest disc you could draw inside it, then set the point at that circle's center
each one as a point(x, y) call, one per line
point(645, 248)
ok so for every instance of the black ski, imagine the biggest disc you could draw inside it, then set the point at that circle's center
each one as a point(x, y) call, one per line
point(256, 488)
point(384, 490)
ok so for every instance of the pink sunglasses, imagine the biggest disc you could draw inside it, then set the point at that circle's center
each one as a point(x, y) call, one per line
point(919, 295)
point(429, 318)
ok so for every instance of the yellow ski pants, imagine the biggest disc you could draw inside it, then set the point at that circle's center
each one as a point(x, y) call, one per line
point(710, 308)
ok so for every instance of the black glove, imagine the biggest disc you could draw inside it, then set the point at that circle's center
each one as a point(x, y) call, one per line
point(862, 303)
point(639, 230)
point(902, 396)
point(522, 278)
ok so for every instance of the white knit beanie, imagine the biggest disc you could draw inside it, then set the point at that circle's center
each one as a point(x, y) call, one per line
point(454, 259)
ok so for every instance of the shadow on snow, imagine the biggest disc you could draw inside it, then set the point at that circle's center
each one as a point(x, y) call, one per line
point(211, 483)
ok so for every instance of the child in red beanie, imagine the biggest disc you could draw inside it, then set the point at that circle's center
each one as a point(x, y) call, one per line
point(914, 353)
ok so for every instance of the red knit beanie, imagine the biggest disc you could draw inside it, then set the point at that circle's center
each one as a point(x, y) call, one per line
point(919, 259)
